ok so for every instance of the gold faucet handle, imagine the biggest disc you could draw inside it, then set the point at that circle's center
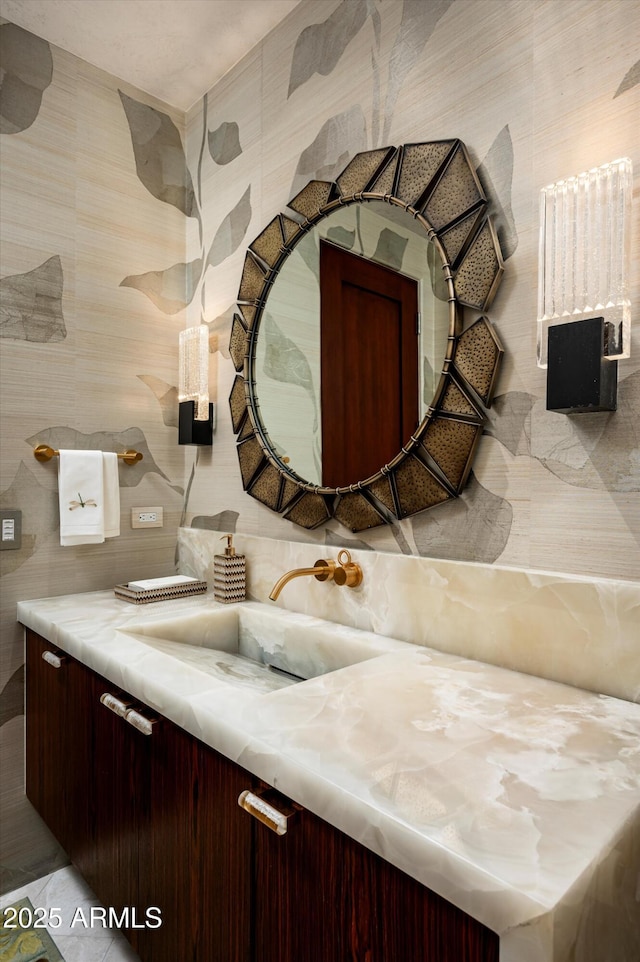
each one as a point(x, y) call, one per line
point(349, 572)
point(329, 572)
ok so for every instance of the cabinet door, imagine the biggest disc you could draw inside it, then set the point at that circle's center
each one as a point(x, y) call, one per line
point(121, 811)
point(169, 840)
point(197, 866)
point(58, 742)
point(320, 895)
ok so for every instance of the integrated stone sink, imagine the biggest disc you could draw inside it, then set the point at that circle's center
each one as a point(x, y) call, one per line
point(261, 646)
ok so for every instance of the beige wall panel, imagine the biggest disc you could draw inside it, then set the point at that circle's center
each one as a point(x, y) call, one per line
point(229, 187)
point(37, 188)
point(70, 190)
point(563, 527)
point(473, 80)
point(496, 74)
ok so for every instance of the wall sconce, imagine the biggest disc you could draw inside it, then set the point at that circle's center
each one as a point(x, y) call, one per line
point(195, 423)
point(584, 313)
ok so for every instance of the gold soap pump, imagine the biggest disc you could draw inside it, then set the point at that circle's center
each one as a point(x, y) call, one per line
point(229, 574)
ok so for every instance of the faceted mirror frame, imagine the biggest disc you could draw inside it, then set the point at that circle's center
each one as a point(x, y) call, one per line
point(435, 183)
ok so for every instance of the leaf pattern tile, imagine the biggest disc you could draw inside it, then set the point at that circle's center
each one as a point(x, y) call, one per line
point(160, 160)
point(224, 143)
point(31, 304)
point(27, 71)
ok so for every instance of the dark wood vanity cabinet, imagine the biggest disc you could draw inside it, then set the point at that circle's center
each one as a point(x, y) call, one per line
point(329, 898)
point(152, 821)
point(59, 742)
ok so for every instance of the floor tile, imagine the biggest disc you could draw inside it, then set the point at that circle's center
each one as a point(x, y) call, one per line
point(67, 891)
point(74, 949)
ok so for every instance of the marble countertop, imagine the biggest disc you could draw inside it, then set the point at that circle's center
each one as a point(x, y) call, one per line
point(515, 797)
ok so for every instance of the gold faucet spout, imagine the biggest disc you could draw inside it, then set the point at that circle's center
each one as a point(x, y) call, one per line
point(321, 571)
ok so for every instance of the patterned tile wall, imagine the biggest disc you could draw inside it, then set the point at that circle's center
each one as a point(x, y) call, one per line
point(536, 90)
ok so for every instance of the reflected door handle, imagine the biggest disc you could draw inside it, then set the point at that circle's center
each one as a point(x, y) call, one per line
point(260, 806)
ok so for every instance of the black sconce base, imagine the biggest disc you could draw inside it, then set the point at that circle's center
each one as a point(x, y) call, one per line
point(191, 431)
point(580, 378)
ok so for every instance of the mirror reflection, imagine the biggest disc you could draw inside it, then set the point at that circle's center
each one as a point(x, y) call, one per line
point(344, 369)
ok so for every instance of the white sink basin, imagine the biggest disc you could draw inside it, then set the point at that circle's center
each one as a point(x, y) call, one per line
point(253, 642)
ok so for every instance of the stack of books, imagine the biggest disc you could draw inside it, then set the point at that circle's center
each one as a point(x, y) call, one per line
point(159, 589)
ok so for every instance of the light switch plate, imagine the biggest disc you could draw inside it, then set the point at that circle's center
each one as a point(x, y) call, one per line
point(147, 517)
point(10, 529)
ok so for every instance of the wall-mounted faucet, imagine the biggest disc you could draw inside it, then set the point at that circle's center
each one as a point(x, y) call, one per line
point(343, 572)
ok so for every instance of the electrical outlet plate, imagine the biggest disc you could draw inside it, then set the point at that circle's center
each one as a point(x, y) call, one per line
point(147, 517)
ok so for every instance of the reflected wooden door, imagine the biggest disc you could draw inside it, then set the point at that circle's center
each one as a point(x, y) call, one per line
point(369, 364)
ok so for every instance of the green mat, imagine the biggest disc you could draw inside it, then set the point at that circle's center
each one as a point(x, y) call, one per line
point(25, 945)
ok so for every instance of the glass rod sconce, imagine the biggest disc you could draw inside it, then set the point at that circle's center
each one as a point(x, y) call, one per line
point(584, 313)
point(195, 424)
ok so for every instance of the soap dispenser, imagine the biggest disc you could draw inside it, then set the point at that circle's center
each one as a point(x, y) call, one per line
point(229, 574)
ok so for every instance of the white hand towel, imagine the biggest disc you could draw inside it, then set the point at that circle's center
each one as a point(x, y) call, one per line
point(81, 497)
point(111, 485)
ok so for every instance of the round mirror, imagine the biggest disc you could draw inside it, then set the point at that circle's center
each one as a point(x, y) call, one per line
point(298, 402)
point(362, 387)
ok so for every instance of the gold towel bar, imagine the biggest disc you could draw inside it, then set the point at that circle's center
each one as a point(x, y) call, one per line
point(42, 452)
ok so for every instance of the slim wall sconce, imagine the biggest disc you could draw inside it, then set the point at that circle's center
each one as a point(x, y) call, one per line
point(195, 423)
point(584, 313)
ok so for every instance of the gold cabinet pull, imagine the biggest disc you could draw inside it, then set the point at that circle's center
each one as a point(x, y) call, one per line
point(261, 808)
point(116, 705)
point(56, 661)
point(142, 724)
